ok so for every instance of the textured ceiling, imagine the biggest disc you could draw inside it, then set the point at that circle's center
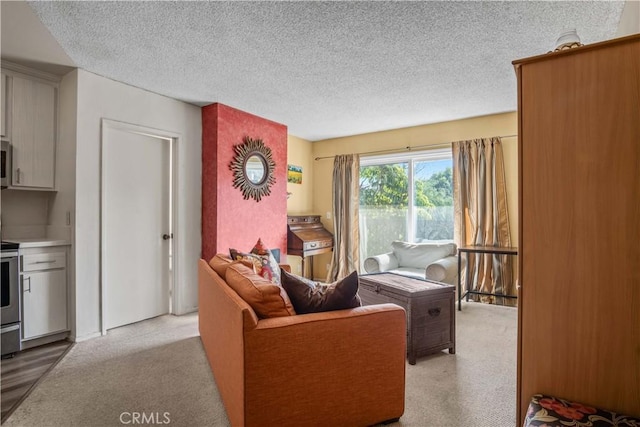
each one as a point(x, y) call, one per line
point(324, 69)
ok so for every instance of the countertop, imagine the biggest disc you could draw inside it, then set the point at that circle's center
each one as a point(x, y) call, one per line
point(39, 242)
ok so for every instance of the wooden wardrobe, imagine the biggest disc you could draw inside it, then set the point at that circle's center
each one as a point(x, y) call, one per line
point(579, 243)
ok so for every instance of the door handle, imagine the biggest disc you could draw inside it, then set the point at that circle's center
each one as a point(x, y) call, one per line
point(167, 236)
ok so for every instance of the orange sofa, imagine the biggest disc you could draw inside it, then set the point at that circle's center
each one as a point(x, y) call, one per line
point(337, 368)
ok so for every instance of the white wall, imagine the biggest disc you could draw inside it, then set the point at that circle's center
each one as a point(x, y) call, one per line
point(24, 208)
point(630, 19)
point(100, 98)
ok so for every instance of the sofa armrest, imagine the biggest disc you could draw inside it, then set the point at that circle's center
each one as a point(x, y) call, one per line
point(443, 270)
point(380, 263)
point(345, 367)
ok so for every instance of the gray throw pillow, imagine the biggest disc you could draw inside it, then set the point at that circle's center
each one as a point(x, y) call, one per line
point(308, 296)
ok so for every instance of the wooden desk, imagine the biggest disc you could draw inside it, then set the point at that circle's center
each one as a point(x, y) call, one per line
point(494, 250)
point(307, 237)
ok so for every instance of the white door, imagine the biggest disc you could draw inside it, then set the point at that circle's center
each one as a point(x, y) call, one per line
point(136, 214)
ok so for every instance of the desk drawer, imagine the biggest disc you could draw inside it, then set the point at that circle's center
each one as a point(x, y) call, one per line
point(318, 244)
point(45, 261)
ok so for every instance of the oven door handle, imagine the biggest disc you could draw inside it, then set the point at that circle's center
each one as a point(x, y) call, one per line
point(10, 328)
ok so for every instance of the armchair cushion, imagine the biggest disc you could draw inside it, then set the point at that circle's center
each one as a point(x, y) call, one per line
point(416, 273)
point(436, 261)
point(380, 263)
point(419, 255)
point(443, 270)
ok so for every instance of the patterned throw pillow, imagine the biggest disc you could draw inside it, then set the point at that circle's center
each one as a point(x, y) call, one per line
point(264, 262)
point(308, 296)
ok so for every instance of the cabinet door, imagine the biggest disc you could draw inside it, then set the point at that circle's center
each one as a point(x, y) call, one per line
point(44, 303)
point(579, 317)
point(33, 133)
point(3, 105)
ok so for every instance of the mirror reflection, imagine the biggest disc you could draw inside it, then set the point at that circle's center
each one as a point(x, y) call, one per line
point(254, 169)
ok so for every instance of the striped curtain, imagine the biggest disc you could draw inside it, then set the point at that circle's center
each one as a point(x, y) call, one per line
point(482, 219)
point(346, 196)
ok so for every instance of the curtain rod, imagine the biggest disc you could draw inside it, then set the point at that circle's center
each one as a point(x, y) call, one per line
point(410, 148)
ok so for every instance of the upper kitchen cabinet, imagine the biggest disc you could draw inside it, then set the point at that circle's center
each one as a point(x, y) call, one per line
point(3, 106)
point(33, 133)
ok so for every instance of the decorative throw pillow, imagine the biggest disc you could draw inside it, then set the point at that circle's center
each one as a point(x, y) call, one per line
point(264, 297)
point(263, 260)
point(308, 296)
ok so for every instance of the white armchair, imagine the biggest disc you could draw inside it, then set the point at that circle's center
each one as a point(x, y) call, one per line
point(431, 261)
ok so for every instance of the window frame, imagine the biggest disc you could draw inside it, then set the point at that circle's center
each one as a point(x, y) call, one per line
point(410, 157)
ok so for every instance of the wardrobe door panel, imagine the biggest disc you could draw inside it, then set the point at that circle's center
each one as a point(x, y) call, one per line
point(580, 224)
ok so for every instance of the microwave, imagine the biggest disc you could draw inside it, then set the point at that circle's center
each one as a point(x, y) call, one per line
point(5, 164)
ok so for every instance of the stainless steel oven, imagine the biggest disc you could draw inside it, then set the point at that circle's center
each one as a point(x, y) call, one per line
point(10, 309)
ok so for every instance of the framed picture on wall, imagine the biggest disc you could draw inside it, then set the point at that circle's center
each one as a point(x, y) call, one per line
point(294, 174)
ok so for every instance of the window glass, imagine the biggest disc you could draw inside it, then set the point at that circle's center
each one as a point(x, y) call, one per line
point(405, 197)
point(384, 195)
point(433, 200)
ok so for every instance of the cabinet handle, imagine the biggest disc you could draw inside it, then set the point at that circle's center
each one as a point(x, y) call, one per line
point(18, 176)
point(29, 279)
point(433, 312)
point(44, 262)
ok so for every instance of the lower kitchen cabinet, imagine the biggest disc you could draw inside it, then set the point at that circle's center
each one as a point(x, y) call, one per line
point(44, 302)
point(43, 278)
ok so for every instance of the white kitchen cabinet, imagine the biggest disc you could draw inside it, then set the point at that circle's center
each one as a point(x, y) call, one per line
point(44, 292)
point(33, 133)
point(3, 106)
point(44, 302)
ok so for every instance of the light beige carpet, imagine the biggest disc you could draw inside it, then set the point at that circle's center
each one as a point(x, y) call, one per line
point(157, 369)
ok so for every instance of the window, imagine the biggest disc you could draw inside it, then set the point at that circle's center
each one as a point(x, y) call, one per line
point(406, 196)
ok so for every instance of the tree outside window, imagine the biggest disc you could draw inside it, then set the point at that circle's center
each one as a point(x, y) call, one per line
point(386, 187)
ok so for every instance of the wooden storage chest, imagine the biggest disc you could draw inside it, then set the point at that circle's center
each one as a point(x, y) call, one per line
point(430, 307)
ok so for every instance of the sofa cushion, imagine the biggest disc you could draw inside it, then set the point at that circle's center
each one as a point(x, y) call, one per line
point(308, 296)
point(265, 298)
point(264, 262)
point(419, 255)
point(220, 262)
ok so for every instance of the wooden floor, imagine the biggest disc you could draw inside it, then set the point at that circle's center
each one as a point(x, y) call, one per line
point(20, 373)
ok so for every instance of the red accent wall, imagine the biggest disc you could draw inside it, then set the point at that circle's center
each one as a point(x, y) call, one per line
point(228, 220)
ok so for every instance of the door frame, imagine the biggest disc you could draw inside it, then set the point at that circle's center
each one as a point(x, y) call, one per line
point(172, 139)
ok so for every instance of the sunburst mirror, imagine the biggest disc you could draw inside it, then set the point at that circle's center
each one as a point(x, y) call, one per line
point(253, 168)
